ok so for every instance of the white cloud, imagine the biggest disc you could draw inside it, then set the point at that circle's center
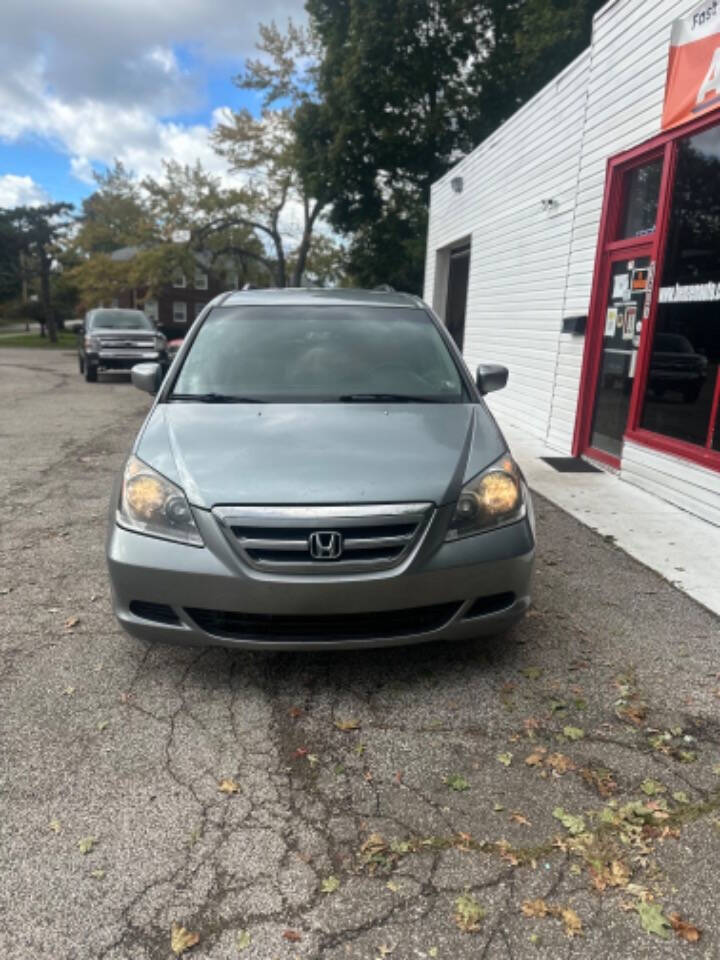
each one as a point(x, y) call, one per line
point(17, 191)
point(106, 80)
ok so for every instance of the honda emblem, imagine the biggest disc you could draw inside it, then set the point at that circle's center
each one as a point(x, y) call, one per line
point(325, 545)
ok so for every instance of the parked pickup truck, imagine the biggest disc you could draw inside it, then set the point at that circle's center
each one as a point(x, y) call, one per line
point(115, 339)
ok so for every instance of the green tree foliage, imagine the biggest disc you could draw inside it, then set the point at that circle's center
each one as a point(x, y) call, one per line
point(41, 236)
point(10, 258)
point(114, 215)
point(404, 89)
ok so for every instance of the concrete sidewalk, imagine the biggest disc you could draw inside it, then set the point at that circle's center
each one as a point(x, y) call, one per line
point(681, 547)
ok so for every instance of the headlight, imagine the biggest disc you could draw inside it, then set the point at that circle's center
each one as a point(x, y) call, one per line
point(492, 499)
point(160, 343)
point(149, 503)
point(92, 343)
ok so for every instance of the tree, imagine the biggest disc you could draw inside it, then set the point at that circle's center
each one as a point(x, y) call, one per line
point(115, 215)
point(10, 254)
point(41, 235)
point(283, 195)
point(405, 89)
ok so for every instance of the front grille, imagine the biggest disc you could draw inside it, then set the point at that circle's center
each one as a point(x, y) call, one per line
point(351, 539)
point(130, 343)
point(383, 625)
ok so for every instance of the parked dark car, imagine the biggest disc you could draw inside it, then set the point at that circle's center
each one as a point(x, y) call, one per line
point(116, 339)
point(675, 365)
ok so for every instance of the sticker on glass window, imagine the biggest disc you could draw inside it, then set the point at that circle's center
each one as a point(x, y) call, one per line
point(638, 283)
point(629, 318)
point(621, 286)
point(610, 321)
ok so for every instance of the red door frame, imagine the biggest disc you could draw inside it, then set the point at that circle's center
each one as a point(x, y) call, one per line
point(665, 145)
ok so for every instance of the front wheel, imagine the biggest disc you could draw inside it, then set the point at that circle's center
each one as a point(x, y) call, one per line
point(91, 373)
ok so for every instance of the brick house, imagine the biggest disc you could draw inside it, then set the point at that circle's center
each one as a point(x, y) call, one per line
point(180, 301)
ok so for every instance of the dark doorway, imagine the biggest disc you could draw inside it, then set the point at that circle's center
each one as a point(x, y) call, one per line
point(457, 293)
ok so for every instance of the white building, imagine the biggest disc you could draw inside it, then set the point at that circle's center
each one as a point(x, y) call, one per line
point(562, 214)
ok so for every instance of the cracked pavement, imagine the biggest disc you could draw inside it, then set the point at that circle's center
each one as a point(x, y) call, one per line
point(610, 688)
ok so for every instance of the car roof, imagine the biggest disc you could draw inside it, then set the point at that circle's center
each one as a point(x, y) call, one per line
point(308, 296)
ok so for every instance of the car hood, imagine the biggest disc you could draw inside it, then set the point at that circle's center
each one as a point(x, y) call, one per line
point(319, 453)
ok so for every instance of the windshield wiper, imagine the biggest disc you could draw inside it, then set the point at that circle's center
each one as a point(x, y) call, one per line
point(385, 398)
point(213, 398)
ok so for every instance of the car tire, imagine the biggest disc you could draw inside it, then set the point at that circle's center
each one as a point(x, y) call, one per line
point(91, 373)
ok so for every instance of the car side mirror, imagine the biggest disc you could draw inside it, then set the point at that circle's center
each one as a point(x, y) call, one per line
point(491, 376)
point(147, 377)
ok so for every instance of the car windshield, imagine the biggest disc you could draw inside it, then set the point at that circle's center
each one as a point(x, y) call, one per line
point(319, 354)
point(120, 320)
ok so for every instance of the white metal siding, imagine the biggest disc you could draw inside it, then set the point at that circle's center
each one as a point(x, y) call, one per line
point(528, 270)
point(519, 252)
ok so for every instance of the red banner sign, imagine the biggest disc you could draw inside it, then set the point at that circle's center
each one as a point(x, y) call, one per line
point(693, 78)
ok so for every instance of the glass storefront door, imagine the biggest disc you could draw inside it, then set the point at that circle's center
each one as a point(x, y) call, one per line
point(628, 285)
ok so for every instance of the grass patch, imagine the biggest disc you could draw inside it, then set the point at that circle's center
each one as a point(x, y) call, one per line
point(65, 341)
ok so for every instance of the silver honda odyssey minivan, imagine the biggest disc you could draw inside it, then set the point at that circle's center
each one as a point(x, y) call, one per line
point(319, 470)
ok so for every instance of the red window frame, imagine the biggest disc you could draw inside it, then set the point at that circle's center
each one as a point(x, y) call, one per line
point(652, 245)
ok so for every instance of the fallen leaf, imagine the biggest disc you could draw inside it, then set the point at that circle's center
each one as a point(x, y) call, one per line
point(560, 763)
point(652, 919)
point(520, 818)
point(312, 759)
point(125, 697)
point(399, 777)
point(652, 787)
point(69, 691)
point(573, 733)
point(686, 931)
point(85, 844)
point(498, 807)
point(329, 884)
point(295, 712)
point(505, 758)
point(350, 724)
point(681, 797)
point(573, 824)
point(55, 825)
point(468, 913)
point(433, 952)
point(368, 776)
point(557, 705)
point(300, 753)
point(97, 874)
point(292, 935)
point(359, 749)
point(392, 887)
point(228, 785)
point(102, 725)
point(716, 769)
point(384, 950)
point(243, 941)
point(536, 757)
point(182, 939)
point(457, 782)
point(71, 622)
point(535, 908)
point(532, 673)
point(573, 923)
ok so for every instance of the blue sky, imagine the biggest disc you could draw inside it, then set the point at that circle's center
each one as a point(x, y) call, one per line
point(85, 82)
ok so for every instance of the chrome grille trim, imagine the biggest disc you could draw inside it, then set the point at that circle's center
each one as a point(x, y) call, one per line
point(275, 539)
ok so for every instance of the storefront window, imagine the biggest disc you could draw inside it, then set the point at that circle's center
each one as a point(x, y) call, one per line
point(685, 351)
point(642, 190)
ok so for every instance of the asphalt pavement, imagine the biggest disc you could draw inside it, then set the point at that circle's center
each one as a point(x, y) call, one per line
point(552, 793)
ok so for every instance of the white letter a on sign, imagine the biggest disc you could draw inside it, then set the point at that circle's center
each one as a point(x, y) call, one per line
point(712, 79)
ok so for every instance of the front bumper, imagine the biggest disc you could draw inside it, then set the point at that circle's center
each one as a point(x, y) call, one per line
point(122, 359)
point(147, 570)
